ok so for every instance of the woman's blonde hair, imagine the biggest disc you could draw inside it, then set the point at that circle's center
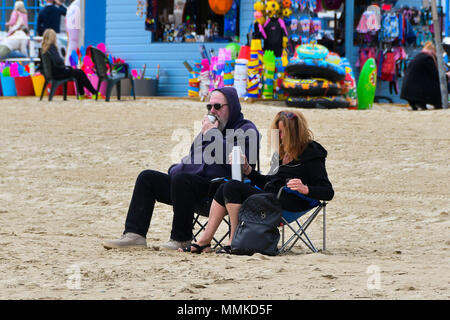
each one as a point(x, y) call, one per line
point(20, 6)
point(297, 135)
point(48, 38)
point(429, 45)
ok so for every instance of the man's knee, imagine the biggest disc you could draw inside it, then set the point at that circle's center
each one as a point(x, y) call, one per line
point(182, 179)
point(145, 176)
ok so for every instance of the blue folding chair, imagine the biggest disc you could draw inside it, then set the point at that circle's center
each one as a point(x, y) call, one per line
point(292, 221)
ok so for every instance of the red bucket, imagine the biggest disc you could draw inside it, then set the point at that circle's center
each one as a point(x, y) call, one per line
point(244, 53)
point(24, 86)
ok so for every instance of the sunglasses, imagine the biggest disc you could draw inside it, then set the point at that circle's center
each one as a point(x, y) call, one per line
point(288, 115)
point(216, 106)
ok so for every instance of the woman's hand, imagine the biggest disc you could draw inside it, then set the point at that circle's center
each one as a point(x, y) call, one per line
point(246, 168)
point(297, 185)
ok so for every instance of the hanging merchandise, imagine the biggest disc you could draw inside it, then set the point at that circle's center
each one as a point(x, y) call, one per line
point(140, 8)
point(331, 4)
point(230, 20)
point(151, 15)
point(220, 7)
point(276, 32)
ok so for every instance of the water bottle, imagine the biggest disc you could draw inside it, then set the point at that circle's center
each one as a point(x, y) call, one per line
point(236, 165)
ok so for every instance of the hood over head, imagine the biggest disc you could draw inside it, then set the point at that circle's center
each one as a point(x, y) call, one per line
point(236, 118)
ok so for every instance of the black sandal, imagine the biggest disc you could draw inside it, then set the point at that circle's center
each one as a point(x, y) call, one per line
point(224, 249)
point(199, 248)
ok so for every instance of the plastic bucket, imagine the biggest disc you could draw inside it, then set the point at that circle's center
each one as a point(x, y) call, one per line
point(8, 86)
point(94, 80)
point(125, 88)
point(24, 86)
point(38, 83)
point(146, 87)
point(244, 53)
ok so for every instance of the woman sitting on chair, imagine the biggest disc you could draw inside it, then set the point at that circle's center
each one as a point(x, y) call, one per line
point(60, 70)
point(301, 168)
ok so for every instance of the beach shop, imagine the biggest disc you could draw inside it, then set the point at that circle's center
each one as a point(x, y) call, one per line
point(149, 33)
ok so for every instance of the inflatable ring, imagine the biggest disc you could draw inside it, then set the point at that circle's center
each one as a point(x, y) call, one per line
point(313, 68)
point(311, 87)
point(311, 51)
point(318, 102)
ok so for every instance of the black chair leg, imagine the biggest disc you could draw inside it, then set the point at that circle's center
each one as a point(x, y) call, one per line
point(65, 91)
point(98, 89)
point(43, 89)
point(109, 88)
point(118, 90)
point(52, 91)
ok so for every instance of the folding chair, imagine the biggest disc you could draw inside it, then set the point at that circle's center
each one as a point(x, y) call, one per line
point(101, 69)
point(292, 221)
point(202, 210)
point(55, 83)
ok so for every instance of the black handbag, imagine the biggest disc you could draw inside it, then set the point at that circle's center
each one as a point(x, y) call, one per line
point(257, 230)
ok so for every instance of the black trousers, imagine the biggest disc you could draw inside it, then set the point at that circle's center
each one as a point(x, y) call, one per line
point(82, 80)
point(183, 191)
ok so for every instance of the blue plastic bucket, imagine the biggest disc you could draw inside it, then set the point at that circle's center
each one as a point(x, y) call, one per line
point(8, 86)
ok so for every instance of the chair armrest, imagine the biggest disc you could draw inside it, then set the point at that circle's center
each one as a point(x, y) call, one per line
point(312, 202)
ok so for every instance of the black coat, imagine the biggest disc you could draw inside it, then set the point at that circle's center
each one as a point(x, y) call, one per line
point(310, 168)
point(421, 82)
point(59, 69)
point(50, 18)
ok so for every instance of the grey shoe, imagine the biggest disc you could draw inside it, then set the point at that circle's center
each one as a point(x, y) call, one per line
point(175, 245)
point(127, 241)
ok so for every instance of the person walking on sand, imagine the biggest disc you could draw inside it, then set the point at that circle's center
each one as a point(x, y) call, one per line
point(187, 183)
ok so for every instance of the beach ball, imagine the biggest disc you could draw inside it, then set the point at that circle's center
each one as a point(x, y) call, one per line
point(220, 6)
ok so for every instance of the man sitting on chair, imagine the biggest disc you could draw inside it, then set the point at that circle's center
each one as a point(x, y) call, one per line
point(187, 183)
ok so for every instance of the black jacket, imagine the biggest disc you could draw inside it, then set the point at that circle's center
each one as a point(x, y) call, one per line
point(421, 82)
point(59, 69)
point(50, 18)
point(310, 168)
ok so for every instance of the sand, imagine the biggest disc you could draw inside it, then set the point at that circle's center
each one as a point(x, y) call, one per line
point(67, 171)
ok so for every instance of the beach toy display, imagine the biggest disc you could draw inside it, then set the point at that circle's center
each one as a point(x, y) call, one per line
point(317, 68)
point(311, 51)
point(367, 84)
point(318, 102)
point(269, 74)
point(315, 82)
point(311, 87)
point(349, 84)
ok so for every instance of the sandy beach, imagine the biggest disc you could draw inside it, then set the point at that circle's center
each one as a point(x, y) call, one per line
point(67, 171)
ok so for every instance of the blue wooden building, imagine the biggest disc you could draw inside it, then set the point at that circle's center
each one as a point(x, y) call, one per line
point(116, 23)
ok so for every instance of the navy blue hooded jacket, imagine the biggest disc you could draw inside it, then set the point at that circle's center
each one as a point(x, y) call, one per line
point(50, 18)
point(247, 134)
